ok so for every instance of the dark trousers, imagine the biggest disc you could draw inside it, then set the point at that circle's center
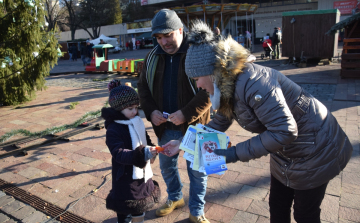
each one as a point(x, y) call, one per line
point(122, 218)
point(306, 203)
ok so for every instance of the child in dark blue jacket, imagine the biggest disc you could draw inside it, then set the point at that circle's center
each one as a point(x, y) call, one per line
point(133, 191)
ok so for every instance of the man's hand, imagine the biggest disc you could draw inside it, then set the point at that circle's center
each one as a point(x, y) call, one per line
point(171, 148)
point(177, 118)
point(157, 118)
point(230, 154)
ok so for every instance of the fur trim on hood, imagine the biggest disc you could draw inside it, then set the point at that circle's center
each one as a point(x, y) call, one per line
point(230, 61)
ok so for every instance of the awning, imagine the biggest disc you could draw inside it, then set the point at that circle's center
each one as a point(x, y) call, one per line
point(344, 23)
point(144, 35)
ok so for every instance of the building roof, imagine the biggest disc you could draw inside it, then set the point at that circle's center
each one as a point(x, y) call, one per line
point(344, 23)
point(311, 12)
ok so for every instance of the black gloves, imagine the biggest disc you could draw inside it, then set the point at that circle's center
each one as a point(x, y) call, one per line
point(230, 154)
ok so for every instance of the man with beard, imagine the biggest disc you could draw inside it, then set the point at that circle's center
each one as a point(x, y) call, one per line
point(164, 87)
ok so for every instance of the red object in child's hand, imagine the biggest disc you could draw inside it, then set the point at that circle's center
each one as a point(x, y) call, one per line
point(229, 145)
point(159, 148)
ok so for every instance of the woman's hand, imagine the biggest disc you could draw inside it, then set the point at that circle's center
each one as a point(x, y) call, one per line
point(230, 154)
point(171, 148)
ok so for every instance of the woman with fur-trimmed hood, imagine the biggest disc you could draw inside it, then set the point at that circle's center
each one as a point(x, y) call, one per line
point(307, 146)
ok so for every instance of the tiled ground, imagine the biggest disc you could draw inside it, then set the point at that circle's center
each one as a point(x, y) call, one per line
point(63, 172)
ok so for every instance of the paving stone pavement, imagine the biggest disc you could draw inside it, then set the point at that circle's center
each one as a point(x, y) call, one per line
point(63, 172)
point(13, 210)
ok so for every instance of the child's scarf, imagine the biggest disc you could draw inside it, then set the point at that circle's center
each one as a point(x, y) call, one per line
point(138, 137)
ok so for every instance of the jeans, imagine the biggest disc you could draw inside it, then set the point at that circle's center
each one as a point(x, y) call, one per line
point(83, 58)
point(306, 203)
point(170, 173)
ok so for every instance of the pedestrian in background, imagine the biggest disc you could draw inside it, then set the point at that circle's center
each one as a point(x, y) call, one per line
point(69, 51)
point(100, 50)
point(131, 45)
point(74, 52)
point(276, 41)
point(90, 51)
point(137, 43)
point(83, 53)
point(143, 43)
point(217, 32)
point(248, 39)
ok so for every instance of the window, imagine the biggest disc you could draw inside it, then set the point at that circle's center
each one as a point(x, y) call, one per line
point(277, 2)
point(265, 3)
point(288, 2)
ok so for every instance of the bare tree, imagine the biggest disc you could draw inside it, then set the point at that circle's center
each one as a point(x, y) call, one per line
point(54, 13)
point(73, 20)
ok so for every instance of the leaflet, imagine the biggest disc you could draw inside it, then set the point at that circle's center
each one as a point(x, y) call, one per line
point(208, 129)
point(188, 157)
point(213, 163)
point(193, 153)
point(189, 140)
point(190, 144)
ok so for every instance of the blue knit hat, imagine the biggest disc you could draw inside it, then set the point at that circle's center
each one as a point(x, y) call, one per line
point(121, 96)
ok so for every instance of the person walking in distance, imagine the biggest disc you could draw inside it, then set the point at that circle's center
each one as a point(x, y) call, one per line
point(276, 41)
point(90, 51)
point(83, 53)
point(164, 87)
point(137, 43)
point(217, 33)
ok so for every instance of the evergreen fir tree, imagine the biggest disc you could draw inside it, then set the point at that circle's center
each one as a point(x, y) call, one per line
point(27, 50)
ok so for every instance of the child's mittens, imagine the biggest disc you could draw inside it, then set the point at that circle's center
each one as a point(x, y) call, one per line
point(150, 152)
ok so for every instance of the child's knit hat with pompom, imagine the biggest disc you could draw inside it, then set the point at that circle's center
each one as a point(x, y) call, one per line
point(121, 96)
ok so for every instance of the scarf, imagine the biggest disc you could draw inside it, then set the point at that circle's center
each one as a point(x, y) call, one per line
point(138, 137)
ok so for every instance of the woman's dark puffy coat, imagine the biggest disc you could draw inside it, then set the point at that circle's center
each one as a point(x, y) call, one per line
point(127, 196)
point(307, 146)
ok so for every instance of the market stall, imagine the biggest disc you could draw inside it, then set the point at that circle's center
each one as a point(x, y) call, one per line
point(350, 59)
point(303, 34)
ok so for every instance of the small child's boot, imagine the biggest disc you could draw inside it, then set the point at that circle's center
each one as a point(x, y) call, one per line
point(138, 219)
